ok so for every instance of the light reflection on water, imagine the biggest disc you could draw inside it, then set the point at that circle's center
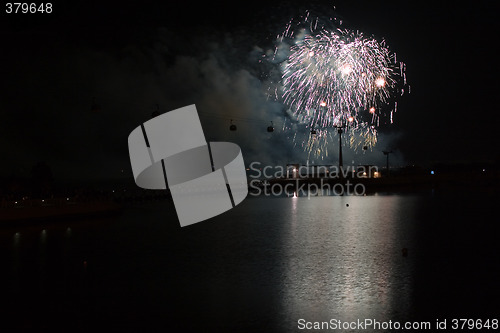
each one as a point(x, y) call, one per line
point(259, 267)
point(345, 262)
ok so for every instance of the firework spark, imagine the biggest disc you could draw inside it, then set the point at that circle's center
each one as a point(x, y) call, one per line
point(337, 77)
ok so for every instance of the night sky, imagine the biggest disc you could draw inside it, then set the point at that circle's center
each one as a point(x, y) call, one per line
point(131, 58)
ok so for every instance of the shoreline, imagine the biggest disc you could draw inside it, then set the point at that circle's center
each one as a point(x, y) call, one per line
point(25, 213)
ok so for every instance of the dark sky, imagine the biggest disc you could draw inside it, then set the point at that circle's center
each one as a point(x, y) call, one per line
point(139, 54)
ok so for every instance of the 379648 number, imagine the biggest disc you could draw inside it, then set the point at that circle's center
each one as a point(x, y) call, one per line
point(28, 8)
point(477, 324)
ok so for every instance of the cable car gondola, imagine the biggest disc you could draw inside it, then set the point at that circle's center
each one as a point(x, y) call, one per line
point(270, 128)
point(156, 112)
point(232, 127)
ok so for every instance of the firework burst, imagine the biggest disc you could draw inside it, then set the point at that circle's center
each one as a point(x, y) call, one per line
point(337, 77)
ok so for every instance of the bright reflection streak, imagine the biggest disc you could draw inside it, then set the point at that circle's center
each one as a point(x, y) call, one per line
point(349, 258)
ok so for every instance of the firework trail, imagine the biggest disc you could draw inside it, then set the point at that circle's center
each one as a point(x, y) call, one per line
point(337, 77)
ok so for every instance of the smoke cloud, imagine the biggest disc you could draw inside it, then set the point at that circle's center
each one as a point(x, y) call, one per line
point(224, 76)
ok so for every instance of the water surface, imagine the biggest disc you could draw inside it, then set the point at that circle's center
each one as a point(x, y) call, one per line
point(259, 267)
